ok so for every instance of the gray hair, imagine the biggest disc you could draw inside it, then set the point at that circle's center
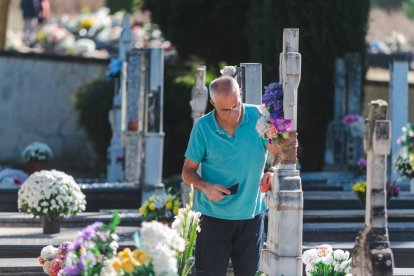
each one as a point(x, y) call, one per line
point(223, 85)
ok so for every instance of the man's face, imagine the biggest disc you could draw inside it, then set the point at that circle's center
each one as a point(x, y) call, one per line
point(228, 108)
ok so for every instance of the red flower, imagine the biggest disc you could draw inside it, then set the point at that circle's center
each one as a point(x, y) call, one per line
point(55, 266)
point(41, 261)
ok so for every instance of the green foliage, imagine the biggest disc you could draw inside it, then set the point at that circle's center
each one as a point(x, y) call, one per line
point(93, 102)
point(208, 29)
point(408, 8)
point(178, 82)
point(327, 30)
point(252, 31)
point(130, 6)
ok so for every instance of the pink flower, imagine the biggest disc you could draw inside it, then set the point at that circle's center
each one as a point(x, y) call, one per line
point(324, 250)
point(272, 132)
point(55, 266)
point(350, 119)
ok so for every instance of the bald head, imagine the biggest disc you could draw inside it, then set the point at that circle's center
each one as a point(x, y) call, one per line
point(223, 86)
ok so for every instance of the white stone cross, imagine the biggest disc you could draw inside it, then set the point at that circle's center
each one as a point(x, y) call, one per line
point(115, 169)
point(372, 254)
point(282, 254)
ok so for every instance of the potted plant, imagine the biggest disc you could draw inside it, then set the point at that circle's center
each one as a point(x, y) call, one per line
point(51, 195)
point(404, 163)
point(36, 157)
point(323, 260)
point(162, 208)
point(360, 189)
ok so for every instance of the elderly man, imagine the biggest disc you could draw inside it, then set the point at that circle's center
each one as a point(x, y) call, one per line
point(232, 154)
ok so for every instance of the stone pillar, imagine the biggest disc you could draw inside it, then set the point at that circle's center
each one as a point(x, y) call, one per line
point(198, 103)
point(398, 99)
point(354, 148)
point(282, 254)
point(252, 89)
point(334, 157)
point(115, 170)
point(372, 254)
point(154, 133)
point(199, 94)
point(134, 133)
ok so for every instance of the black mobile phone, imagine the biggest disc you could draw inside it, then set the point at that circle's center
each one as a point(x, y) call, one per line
point(233, 189)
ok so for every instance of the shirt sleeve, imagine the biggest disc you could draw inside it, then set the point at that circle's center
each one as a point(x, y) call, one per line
point(196, 148)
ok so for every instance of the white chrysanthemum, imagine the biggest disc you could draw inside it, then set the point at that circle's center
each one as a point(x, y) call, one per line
point(262, 126)
point(327, 259)
point(164, 260)
point(47, 191)
point(37, 151)
point(154, 233)
point(228, 71)
point(310, 256)
point(340, 255)
point(49, 252)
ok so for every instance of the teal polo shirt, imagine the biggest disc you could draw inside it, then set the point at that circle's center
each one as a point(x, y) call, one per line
point(227, 160)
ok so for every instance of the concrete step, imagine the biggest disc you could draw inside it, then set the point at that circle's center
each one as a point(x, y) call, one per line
point(17, 242)
point(347, 200)
point(347, 231)
point(394, 215)
point(128, 218)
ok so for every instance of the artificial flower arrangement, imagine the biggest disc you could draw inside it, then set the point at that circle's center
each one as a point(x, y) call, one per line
point(355, 123)
point(161, 250)
point(323, 260)
point(53, 259)
point(405, 159)
point(51, 194)
point(402, 164)
point(93, 250)
point(391, 190)
point(161, 207)
point(272, 125)
point(37, 152)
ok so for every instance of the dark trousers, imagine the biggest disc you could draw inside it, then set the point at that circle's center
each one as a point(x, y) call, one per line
point(220, 240)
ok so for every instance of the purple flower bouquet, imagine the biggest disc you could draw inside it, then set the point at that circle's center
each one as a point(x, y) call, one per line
point(272, 125)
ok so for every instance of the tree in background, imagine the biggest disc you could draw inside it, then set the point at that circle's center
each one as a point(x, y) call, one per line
point(251, 31)
point(130, 6)
point(4, 15)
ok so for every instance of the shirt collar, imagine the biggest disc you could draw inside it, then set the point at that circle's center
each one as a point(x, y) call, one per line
point(219, 130)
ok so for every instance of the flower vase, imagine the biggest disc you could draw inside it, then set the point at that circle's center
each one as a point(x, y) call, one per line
point(51, 226)
point(35, 166)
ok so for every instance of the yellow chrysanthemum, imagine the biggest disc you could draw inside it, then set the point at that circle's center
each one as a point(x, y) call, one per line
point(152, 206)
point(175, 210)
point(116, 265)
point(127, 265)
point(411, 158)
point(141, 256)
point(142, 210)
point(126, 253)
point(168, 205)
point(177, 203)
point(87, 23)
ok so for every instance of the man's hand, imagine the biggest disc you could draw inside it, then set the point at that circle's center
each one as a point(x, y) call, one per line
point(266, 182)
point(215, 192)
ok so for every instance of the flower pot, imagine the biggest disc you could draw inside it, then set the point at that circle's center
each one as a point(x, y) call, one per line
point(50, 226)
point(35, 166)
